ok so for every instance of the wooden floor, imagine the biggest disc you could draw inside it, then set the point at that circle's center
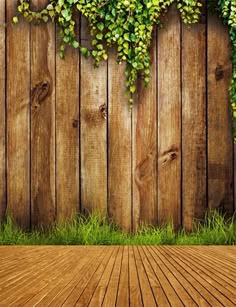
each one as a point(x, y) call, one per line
point(117, 276)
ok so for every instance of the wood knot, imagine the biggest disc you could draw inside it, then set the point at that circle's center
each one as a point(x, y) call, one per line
point(103, 110)
point(169, 155)
point(219, 72)
point(39, 93)
point(75, 123)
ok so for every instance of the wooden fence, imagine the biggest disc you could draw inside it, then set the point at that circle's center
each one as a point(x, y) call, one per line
point(68, 142)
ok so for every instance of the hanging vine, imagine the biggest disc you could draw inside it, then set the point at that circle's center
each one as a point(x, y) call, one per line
point(128, 25)
point(227, 10)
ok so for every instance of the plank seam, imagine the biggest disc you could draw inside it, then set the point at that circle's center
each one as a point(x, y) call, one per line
point(138, 250)
point(206, 115)
point(167, 279)
point(162, 251)
point(109, 257)
point(186, 262)
point(6, 74)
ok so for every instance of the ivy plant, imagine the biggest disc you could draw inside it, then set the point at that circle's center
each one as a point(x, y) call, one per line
point(128, 25)
point(227, 10)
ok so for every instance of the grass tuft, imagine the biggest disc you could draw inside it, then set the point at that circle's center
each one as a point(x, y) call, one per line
point(97, 230)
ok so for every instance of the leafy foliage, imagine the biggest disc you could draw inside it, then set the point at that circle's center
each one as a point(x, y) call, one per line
point(227, 10)
point(127, 24)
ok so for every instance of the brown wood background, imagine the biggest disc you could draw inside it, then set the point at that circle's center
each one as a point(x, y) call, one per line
point(171, 159)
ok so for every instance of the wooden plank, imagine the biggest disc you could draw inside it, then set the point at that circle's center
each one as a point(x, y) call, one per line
point(98, 295)
point(169, 121)
point(65, 274)
point(59, 293)
point(93, 107)
point(39, 282)
point(123, 288)
point(15, 291)
point(18, 118)
point(217, 290)
point(213, 269)
point(159, 294)
point(221, 260)
point(179, 288)
point(86, 296)
point(184, 278)
point(134, 284)
point(58, 281)
point(145, 148)
point(187, 273)
point(220, 158)
point(85, 278)
point(112, 289)
point(194, 122)
point(42, 122)
point(147, 294)
point(67, 134)
point(170, 292)
point(119, 146)
point(2, 112)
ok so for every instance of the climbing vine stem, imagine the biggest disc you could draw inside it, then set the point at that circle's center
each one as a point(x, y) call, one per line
point(128, 25)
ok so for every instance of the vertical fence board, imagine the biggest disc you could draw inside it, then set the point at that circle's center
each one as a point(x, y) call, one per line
point(42, 121)
point(194, 122)
point(93, 132)
point(220, 151)
point(169, 121)
point(119, 146)
point(67, 134)
point(2, 112)
point(145, 148)
point(47, 137)
point(18, 130)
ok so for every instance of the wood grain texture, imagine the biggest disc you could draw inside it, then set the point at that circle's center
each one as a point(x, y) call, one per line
point(42, 121)
point(67, 134)
point(2, 112)
point(169, 121)
point(18, 118)
point(119, 146)
point(194, 122)
point(145, 148)
point(220, 150)
point(84, 275)
point(93, 109)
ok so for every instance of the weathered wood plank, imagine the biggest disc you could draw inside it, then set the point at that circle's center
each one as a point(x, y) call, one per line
point(18, 118)
point(194, 122)
point(42, 121)
point(220, 150)
point(2, 112)
point(169, 121)
point(93, 107)
point(67, 134)
point(145, 148)
point(119, 146)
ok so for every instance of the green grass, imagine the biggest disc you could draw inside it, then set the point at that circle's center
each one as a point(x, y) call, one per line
point(96, 230)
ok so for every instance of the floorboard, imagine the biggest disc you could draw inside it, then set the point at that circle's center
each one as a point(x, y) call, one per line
point(117, 276)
